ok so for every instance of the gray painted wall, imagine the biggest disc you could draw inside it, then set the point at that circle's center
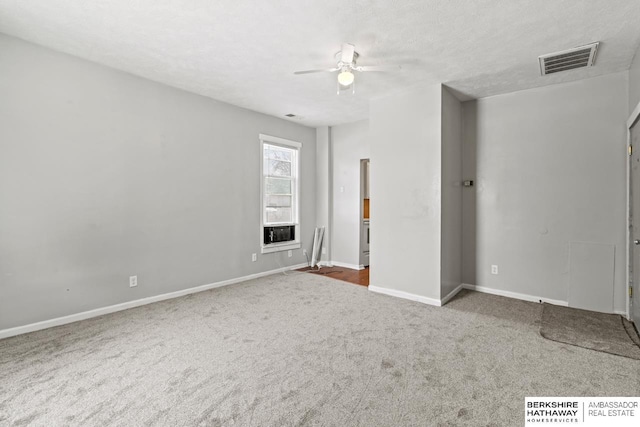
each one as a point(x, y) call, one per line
point(551, 168)
point(451, 244)
point(634, 82)
point(104, 175)
point(404, 130)
point(324, 201)
point(350, 144)
point(469, 125)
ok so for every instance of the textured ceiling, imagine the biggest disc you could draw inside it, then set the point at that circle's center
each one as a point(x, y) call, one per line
point(244, 52)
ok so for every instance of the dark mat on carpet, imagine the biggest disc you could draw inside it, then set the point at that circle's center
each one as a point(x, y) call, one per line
point(609, 333)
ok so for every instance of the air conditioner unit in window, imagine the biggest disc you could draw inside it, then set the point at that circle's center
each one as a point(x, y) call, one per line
point(277, 234)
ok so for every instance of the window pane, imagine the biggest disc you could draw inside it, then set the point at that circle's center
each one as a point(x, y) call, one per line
point(277, 153)
point(278, 201)
point(278, 168)
point(280, 172)
point(278, 186)
point(275, 215)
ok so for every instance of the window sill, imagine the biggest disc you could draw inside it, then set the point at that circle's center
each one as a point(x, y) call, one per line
point(279, 247)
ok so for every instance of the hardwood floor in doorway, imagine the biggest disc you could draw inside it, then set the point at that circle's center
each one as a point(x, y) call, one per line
point(357, 277)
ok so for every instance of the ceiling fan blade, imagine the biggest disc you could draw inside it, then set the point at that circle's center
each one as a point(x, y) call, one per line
point(378, 68)
point(347, 52)
point(327, 70)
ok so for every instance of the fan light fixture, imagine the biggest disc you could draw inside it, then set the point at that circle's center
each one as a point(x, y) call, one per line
point(346, 60)
point(345, 78)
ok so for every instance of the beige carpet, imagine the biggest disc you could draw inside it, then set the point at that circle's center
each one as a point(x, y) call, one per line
point(299, 350)
point(610, 333)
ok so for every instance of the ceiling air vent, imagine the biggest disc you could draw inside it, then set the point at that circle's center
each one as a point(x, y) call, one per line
point(578, 57)
point(289, 115)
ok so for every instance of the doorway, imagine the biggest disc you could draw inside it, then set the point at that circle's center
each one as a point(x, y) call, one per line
point(364, 218)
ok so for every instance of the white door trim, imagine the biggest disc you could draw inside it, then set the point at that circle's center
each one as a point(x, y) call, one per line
point(633, 118)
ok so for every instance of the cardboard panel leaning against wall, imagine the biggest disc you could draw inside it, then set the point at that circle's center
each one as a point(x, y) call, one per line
point(105, 175)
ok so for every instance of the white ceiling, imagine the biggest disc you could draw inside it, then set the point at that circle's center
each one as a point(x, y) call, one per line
point(244, 52)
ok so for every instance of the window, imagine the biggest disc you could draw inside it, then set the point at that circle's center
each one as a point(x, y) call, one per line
point(279, 184)
point(279, 191)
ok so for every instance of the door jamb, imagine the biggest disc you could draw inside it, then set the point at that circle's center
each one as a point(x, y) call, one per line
point(633, 118)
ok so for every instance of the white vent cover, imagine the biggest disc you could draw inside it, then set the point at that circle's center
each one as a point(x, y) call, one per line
point(578, 57)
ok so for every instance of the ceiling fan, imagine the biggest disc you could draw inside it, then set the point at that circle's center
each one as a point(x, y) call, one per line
point(346, 65)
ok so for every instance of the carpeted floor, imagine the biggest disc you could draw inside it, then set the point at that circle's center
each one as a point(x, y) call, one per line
point(300, 350)
point(610, 333)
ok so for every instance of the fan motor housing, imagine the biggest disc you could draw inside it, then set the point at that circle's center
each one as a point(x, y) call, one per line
point(338, 56)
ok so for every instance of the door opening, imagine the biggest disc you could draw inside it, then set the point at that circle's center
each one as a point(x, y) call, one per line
point(365, 214)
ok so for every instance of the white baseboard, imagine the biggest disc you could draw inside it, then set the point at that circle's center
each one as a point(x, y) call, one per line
point(524, 297)
point(18, 330)
point(340, 264)
point(345, 265)
point(418, 298)
point(451, 294)
point(405, 295)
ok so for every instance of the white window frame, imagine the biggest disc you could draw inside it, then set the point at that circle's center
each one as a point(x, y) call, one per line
point(295, 244)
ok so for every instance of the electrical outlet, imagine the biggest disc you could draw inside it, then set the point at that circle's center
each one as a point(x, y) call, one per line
point(289, 253)
point(304, 252)
point(133, 281)
point(324, 251)
point(494, 269)
point(254, 257)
